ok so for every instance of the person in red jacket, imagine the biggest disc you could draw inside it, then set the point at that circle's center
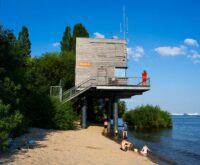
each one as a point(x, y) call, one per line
point(144, 77)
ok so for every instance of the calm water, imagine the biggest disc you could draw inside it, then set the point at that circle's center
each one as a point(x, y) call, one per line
point(180, 145)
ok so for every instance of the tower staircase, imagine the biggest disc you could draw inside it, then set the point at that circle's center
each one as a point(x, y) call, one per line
point(76, 90)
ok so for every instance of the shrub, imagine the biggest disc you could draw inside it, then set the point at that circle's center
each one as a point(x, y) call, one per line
point(8, 122)
point(63, 115)
point(38, 110)
point(48, 112)
point(145, 117)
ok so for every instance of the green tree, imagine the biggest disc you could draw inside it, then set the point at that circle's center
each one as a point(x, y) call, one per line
point(78, 31)
point(147, 117)
point(8, 122)
point(42, 72)
point(63, 115)
point(9, 59)
point(66, 40)
point(122, 108)
point(68, 70)
point(24, 42)
point(47, 70)
point(10, 64)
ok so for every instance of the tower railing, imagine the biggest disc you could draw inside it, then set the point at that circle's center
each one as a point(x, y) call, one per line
point(78, 89)
point(93, 82)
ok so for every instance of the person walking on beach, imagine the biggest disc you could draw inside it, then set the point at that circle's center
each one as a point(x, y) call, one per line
point(124, 131)
point(144, 150)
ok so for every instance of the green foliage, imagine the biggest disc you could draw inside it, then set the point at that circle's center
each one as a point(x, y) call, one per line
point(8, 122)
point(48, 70)
point(38, 110)
point(66, 44)
point(25, 83)
point(44, 71)
point(68, 69)
point(24, 42)
point(78, 31)
point(49, 112)
point(63, 115)
point(145, 117)
point(121, 108)
point(10, 60)
point(11, 77)
point(9, 91)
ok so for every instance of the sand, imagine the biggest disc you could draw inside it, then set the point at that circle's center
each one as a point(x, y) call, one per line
point(78, 147)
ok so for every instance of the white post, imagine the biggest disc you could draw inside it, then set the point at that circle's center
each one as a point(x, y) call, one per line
point(61, 93)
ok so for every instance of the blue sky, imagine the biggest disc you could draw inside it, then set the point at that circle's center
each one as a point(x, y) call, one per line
point(163, 38)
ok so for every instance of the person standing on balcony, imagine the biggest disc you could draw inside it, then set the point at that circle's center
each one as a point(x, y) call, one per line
point(144, 78)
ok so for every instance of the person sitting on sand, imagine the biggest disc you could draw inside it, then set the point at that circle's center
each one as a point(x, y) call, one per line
point(126, 145)
point(144, 150)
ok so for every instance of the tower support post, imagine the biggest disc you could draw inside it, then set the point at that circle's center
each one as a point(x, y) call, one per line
point(84, 113)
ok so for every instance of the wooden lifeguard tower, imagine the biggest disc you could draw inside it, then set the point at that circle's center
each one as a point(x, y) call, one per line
point(96, 62)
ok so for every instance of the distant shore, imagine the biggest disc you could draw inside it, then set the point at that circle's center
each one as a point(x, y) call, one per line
point(78, 147)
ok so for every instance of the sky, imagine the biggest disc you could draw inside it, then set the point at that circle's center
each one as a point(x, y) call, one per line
point(163, 38)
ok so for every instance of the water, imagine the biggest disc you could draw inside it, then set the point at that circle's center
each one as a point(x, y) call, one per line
point(179, 145)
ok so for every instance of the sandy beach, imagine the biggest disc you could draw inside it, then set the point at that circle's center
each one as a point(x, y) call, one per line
point(78, 147)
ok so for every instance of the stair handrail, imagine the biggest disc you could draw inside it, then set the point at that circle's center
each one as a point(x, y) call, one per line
point(80, 84)
point(81, 91)
point(73, 91)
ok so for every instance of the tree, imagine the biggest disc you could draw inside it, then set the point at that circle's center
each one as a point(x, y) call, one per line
point(148, 117)
point(78, 31)
point(9, 61)
point(47, 70)
point(10, 66)
point(122, 108)
point(42, 72)
point(7, 123)
point(68, 70)
point(24, 43)
point(66, 40)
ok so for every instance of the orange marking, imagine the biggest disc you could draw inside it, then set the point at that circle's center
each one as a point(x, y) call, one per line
point(86, 64)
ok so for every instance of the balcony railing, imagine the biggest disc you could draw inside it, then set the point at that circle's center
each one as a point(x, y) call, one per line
point(130, 81)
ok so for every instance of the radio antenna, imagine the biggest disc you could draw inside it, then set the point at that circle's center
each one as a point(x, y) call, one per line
point(124, 25)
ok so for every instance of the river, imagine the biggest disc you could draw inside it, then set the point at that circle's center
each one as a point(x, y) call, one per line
point(179, 145)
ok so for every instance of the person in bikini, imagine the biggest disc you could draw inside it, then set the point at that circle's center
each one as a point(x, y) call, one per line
point(126, 145)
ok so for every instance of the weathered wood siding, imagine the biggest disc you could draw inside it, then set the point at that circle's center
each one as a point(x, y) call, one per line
point(99, 58)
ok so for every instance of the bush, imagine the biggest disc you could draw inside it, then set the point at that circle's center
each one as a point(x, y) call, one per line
point(48, 112)
point(63, 115)
point(38, 110)
point(8, 123)
point(145, 117)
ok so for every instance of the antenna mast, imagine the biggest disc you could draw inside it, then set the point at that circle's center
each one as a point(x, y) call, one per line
point(124, 28)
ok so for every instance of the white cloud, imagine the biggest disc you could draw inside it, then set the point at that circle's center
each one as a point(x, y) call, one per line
point(195, 57)
point(56, 44)
point(98, 35)
point(115, 37)
point(170, 51)
point(191, 42)
point(136, 53)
